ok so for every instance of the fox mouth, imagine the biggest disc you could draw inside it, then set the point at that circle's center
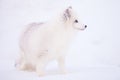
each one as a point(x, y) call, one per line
point(80, 29)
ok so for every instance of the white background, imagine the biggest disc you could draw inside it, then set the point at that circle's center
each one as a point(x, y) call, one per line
point(93, 54)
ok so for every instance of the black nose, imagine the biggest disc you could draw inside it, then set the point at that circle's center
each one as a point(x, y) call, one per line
point(85, 26)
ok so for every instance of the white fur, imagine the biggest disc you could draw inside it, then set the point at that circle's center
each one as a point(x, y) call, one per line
point(44, 42)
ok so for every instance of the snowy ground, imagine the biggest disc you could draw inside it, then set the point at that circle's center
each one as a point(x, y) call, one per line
point(94, 54)
point(83, 73)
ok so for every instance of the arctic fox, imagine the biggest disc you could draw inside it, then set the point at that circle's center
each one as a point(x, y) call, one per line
point(41, 43)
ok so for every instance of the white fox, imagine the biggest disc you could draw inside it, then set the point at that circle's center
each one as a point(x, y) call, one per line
point(41, 43)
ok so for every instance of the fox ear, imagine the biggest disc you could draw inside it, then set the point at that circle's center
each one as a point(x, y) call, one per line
point(70, 7)
point(67, 13)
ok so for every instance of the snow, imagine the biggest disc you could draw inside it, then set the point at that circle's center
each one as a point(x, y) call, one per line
point(94, 54)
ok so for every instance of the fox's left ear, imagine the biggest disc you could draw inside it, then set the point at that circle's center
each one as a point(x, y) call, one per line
point(67, 13)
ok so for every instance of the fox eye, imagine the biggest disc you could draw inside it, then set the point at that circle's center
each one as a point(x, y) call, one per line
point(76, 21)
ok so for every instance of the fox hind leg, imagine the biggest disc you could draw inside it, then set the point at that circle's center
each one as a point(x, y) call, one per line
point(21, 62)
